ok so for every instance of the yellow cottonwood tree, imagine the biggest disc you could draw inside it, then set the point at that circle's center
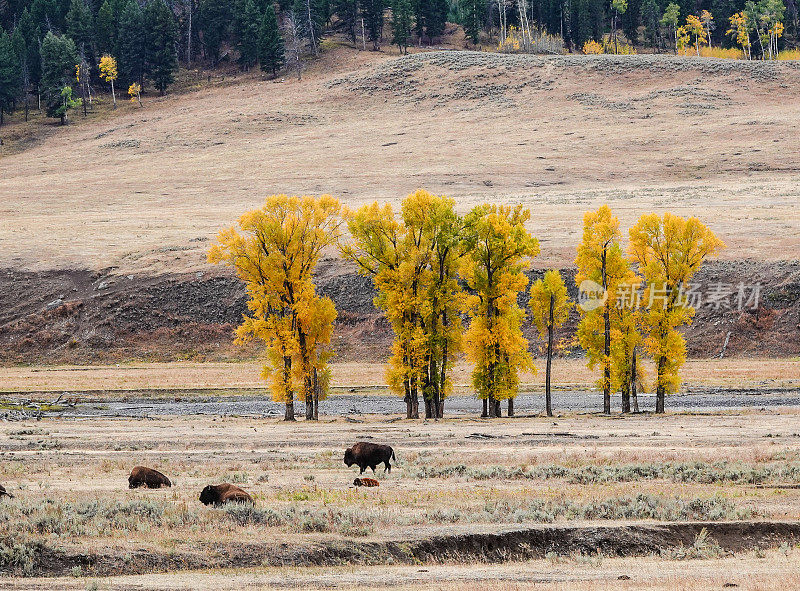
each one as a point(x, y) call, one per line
point(413, 264)
point(668, 250)
point(499, 248)
point(602, 268)
point(275, 251)
point(626, 369)
point(550, 308)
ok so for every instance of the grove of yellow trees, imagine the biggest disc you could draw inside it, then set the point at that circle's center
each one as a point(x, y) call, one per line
point(433, 268)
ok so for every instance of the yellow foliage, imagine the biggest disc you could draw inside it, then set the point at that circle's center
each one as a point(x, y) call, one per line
point(275, 251)
point(618, 48)
point(592, 47)
point(601, 261)
point(108, 68)
point(134, 91)
point(668, 252)
point(789, 54)
point(499, 249)
point(414, 264)
point(731, 53)
point(549, 303)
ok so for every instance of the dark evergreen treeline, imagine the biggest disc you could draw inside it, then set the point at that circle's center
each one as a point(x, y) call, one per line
point(42, 41)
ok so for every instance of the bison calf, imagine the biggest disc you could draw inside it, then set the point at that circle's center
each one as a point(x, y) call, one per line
point(366, 482)
point(4, 493)
point(217, 494)
point(141, 476)
point(365, 454)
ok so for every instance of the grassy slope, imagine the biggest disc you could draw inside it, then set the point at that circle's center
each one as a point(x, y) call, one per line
point(146, 189)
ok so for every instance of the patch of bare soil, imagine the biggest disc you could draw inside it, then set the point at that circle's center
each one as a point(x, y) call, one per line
point(80, 316)
point(484, 547)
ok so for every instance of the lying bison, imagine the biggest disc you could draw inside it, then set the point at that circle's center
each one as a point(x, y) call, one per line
point(366, 482)
point(365, 455)
point(217, 494)
point(141, 476)
point(4, 493)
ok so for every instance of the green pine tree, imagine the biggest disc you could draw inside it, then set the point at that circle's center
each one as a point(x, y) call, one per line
point(9, 75)
point(402, 25)
point(131, 43)
point(59, 58)
point(372, 11)
point(106, 36)
point(215, 20)
point(347, 13)
point(271, 48)
point(162, 34)
point(248, 23)
point(474, 17)
point(30, 33)
point(80, 26)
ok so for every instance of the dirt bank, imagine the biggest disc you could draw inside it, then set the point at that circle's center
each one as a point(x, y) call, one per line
point(80, 316)
point(485, 547)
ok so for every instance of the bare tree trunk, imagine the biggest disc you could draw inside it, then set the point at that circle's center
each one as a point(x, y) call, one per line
point(547, 397)
point(660, 390)
point(634, 377)
point(511, 407)
point(311, 35)
point(485, 412)
point(606, 344)
point(287, 372)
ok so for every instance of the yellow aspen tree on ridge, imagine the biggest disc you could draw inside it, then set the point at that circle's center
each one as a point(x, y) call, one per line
point(499, 249)
point(108, 72)
point(602, 270)
point(275, 251)
point(668, 250)
point(550, 308)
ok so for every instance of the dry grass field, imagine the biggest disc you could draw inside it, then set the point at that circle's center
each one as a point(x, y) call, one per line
point(144, 191)
point(453, 477)
point(171, 378)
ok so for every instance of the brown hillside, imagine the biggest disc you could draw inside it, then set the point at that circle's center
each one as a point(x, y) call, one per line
point(106, 222)
point(145, 191)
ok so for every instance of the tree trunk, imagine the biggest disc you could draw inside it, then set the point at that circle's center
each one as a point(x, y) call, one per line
point(606, 345)
point(634, 377)
point(548, 405)
point(414, 399)
point(407, 398)
point(626, 399)
point(511, 407)
point(498, 411)
point(440, 410)
point(316, 395)
point(428, 408)
point(485, 412)
point(287, 372)
point(660, 390)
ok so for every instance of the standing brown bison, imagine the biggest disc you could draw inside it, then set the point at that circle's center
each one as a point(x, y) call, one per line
point(4, 493)
point(141, 476)
point(365, 454)
point(217, 494)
